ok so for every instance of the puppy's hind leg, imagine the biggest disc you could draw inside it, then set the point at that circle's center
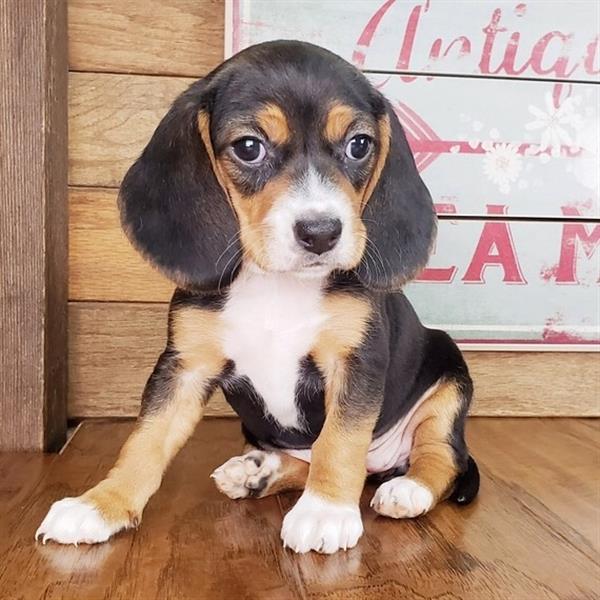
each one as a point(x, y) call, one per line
point(260, 473)
point(439, 464)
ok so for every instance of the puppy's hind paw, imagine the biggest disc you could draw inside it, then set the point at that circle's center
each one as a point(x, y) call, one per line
point(402, 497)
point(247, 475)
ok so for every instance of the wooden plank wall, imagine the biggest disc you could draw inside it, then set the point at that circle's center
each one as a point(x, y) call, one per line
point(33, 224)
point(128, 61)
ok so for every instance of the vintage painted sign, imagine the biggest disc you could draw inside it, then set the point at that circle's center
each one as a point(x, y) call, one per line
point(501, 105)
point(535, 39)
point(493, 141)
point(512, 282)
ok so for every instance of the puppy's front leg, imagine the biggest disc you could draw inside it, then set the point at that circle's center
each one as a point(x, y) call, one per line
point(172, 405)
point(327, 516)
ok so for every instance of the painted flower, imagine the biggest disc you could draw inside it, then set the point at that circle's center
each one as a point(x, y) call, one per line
point(502, 164)
point(553, 123)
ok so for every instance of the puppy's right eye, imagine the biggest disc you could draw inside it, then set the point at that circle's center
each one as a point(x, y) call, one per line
point(249, 150)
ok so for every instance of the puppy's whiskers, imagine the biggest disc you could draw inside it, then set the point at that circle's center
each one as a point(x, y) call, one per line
point(237, 256)
point(235, 238)
point(374, 256)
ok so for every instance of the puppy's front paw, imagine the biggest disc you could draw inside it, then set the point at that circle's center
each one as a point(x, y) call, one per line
point(74, 521)
point(402, 497)
point(247, 475)
point(317, 524)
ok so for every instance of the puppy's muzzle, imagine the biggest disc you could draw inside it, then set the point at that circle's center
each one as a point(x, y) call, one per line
point(318, 235)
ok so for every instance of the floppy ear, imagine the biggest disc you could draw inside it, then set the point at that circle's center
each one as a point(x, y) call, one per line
point(399, 216)
point(173, 208)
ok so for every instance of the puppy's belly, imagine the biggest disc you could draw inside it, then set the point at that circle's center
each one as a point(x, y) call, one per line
point(389, 450)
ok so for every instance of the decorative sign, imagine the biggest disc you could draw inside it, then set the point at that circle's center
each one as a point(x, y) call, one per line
point(502, 110)
point(512, 283)
point(535, 39)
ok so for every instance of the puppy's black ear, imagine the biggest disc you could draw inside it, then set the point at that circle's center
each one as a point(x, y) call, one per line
point(399, 214)
point(173, 208)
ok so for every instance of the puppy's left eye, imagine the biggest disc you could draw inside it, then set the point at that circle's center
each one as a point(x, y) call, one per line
point(249, 150)
point(359, 147)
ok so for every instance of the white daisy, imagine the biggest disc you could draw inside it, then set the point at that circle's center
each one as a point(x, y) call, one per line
point(502, 165)
point(553, 123)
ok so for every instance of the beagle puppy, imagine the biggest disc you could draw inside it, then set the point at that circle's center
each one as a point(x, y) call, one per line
point(279, 193)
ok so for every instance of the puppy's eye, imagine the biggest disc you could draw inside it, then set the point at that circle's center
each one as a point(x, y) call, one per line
point(359, 147)
point(249, 150)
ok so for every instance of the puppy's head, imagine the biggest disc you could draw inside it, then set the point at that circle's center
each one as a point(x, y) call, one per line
point(284, 158)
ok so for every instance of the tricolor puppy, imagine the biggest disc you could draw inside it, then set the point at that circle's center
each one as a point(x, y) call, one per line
point(280, 195)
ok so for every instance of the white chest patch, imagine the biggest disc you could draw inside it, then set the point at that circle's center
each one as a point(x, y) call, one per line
point(271, 322)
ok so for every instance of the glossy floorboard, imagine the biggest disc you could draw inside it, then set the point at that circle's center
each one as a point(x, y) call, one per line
point(534, 532)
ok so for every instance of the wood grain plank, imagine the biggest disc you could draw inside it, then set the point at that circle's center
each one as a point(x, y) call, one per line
point(20, 473)
point(33, 227)
point(102, 263)
point(520, 539)
point(113, 348)
point(169, 37)
point(571, 491)
point(111, 119)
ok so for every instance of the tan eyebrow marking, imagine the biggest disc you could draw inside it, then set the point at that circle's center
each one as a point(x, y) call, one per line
point(274, 123)
point(339, 119)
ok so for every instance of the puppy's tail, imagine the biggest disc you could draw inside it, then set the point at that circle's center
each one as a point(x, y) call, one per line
point(467, 484)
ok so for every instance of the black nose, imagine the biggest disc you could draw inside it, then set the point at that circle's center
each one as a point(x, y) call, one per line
point(318, 235)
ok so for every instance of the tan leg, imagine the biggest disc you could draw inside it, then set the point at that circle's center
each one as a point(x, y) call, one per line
point(327, 518)
point(432, 465)
point(338, 464)
point(172, 404)
point(122, 496)
point(117, 502)
point(259, 473)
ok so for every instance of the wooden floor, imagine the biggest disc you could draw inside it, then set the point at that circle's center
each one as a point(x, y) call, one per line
point(532, 534)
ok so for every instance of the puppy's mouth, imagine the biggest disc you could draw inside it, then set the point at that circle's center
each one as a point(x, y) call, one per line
point(315, 264)
point(316, 267)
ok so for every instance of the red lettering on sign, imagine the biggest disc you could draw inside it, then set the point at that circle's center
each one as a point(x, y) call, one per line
point(366, 37)
point(495, 248)
point(566, 271)
point(560, 68)
point(491, 44)
point(408, 41)
point(591, 56)
point(439, 274)
point(436, 47)
point(490, 30)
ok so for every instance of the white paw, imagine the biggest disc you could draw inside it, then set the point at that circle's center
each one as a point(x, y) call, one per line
point(402, 497)
point(320, 525)
point(72, 521)
point(246, 475)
